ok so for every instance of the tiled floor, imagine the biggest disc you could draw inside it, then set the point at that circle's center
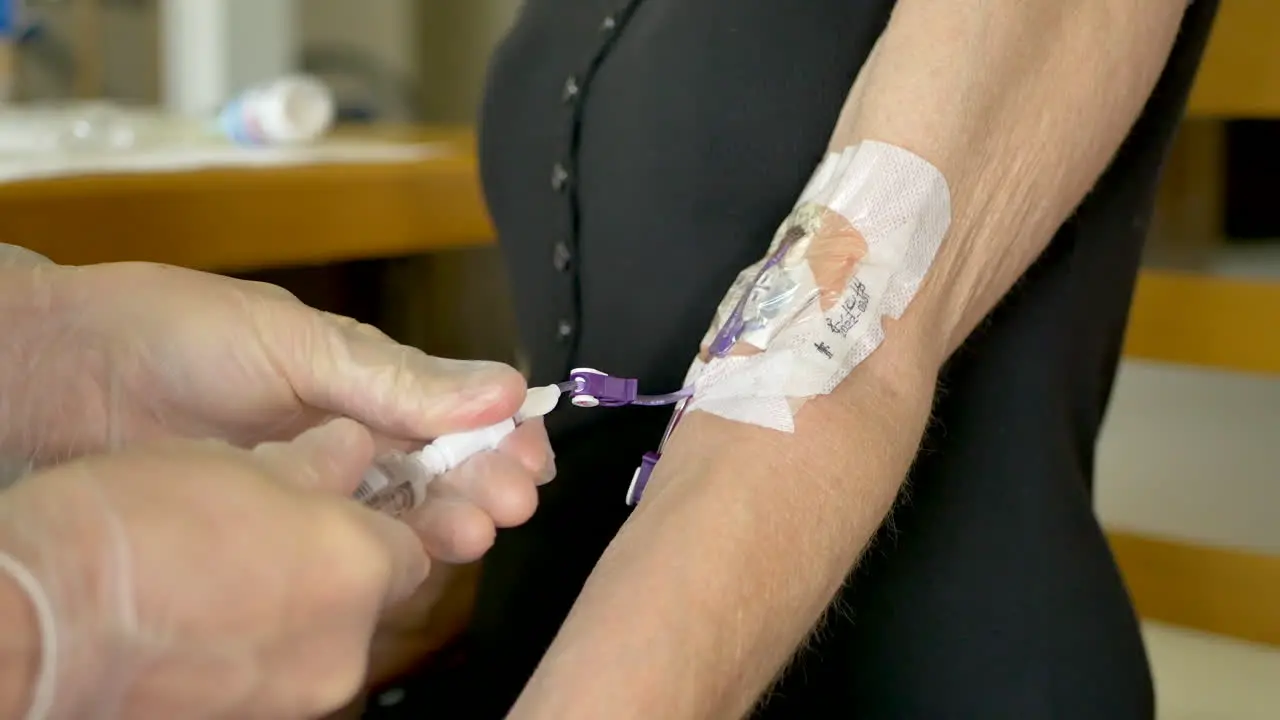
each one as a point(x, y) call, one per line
point(1207, 677)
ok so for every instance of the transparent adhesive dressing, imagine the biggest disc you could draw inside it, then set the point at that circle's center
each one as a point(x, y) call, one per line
point(397, 482)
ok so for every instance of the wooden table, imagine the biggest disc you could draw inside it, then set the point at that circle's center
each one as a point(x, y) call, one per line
point(241, 219)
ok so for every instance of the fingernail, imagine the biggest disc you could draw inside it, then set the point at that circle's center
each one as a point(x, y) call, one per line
point(471, 371)
point(480, 398)
point(488, 384)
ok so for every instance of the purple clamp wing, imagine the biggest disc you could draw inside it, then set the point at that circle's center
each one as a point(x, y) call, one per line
point(641, 477)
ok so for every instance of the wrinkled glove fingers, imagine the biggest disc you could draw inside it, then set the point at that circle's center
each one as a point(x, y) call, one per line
point(453, 530)
point(331, 457)
point(348, 369)
point(497, 484)
point(530, 446)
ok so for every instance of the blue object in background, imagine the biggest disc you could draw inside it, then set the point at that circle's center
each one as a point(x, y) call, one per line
point(11, 26)
point(9, 18)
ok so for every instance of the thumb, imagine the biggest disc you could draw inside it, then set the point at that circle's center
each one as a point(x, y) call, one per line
point(331, 457)
point(398, 390)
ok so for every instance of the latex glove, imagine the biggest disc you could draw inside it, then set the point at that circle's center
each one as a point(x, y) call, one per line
point(135, 351)
point(463, 509)
point(123, 353)
point(197, 580)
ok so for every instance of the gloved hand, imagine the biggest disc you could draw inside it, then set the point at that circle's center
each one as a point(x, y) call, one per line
point(143, 351)
point(121, 353)
point(197, 580)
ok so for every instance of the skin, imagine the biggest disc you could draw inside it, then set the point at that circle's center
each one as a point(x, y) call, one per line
point(195, 579)
point(722, 572)
point(103, 367)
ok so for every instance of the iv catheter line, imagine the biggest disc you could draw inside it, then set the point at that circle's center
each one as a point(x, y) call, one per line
point(729, 333)
point(666, 399)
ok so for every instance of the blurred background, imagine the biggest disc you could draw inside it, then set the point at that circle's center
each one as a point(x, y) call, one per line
point(391, 228)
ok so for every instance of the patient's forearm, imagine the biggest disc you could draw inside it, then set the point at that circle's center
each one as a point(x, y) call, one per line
point(741, 542)
point(745, 534)
point(1021, 104)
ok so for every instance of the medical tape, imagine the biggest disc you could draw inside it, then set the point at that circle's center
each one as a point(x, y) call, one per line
point(853, 252)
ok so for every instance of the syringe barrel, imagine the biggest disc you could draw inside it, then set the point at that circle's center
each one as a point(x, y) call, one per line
point(395, 484)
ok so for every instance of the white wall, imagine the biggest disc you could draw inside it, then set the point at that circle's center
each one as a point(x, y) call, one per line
point(213, 49)
point(458, 38)
point(385, 29)
point(1193, 454)
point(129, 46)
point(438, 49)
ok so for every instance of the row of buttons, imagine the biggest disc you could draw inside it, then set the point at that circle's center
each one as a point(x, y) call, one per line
point(561, 258)
point(561, 255)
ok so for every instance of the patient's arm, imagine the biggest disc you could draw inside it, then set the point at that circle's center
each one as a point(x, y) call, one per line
point(746, 534)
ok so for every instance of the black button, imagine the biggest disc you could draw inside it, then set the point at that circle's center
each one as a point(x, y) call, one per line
point(564, 330)
point(608, 24)
point(571, 90)
point(560, 256)
point(559, 177)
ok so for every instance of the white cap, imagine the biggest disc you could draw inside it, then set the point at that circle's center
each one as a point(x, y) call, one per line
point(294, 109)
point(538, 401)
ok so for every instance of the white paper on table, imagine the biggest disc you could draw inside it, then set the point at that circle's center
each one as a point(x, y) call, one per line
point(190, 156)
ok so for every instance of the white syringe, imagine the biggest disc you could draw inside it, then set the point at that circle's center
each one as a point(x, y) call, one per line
point(397, 482)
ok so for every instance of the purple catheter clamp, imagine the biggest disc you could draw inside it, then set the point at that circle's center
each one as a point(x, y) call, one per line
point(589, 388)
